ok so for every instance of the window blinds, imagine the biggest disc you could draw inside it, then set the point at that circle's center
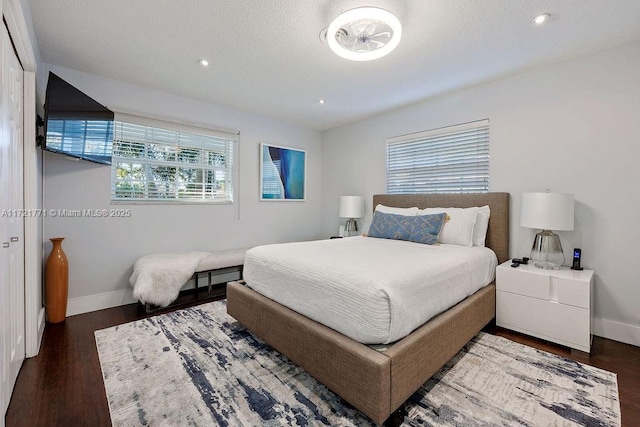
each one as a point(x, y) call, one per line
point(155, 161)
point(454, 159)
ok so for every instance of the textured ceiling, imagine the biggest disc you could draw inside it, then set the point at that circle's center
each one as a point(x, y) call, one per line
point(266, 56)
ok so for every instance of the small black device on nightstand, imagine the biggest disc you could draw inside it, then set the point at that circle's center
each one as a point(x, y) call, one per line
point(577, 254)
point(517, 261)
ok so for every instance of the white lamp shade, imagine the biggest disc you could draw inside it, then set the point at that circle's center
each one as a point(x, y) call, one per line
point(547, 211)
point(351, 207)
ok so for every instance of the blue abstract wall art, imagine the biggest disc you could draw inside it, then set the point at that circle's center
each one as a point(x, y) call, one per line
point(282, 173)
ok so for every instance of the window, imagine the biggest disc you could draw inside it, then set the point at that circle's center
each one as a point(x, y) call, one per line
point(454, 159)
point(155, 161)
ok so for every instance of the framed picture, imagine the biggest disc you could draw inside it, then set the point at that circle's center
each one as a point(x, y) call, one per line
point(283, 173)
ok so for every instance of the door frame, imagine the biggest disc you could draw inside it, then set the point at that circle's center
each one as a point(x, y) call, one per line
point(23, 40)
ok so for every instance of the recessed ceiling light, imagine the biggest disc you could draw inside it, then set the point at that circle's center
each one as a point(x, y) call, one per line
point(203, 62)
point(541, 19)
point(364, 34)
point(321, 101)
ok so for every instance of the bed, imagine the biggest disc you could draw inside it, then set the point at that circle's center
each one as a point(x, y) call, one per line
point(374, 381)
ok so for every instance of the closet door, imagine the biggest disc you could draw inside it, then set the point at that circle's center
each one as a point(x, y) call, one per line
point(12, 229)
point(4, 251)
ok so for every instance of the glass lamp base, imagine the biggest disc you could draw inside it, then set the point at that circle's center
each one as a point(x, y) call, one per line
point(351, 228)
point(547, 251)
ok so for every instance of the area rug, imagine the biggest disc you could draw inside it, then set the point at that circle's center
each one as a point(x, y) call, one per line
point(198, 366)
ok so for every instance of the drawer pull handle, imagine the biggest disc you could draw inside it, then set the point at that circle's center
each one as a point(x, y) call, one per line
point(5, 244)
point(14, 239)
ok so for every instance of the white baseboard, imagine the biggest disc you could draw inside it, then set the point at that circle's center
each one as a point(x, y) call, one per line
point(617, 331)
point(41, 323)
point(33, 349)
point(99, 302)
point(117, 298)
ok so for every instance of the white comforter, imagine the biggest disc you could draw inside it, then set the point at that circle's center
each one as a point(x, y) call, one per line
point(375, 291)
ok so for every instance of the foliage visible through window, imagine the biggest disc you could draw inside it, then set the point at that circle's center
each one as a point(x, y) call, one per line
point(157, 164)
point(454, 159)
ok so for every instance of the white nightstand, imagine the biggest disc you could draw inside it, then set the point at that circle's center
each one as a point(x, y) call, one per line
point(555, 305)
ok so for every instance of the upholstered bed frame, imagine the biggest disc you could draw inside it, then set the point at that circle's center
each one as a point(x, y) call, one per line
point(379, 382)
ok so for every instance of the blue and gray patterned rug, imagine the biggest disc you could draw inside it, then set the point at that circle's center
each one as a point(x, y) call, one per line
point(199, 367)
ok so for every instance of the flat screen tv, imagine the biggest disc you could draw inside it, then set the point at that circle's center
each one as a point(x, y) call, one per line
point(75, 124)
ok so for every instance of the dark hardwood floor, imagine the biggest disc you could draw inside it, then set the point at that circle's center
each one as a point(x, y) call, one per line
point(63, 385)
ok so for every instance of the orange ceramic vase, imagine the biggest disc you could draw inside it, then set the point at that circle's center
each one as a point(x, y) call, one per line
point(56, 282)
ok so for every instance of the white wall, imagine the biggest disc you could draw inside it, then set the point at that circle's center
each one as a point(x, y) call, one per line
point(573, 127)
point(101, 251)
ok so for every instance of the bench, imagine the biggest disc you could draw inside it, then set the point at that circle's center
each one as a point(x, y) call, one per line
point(215, 264)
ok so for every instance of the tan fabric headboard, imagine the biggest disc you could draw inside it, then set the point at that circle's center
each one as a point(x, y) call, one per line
point(498, 232)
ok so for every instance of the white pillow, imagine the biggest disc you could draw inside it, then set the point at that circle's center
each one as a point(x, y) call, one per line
point(397, 211)
point(482, 224)
point(458, 230)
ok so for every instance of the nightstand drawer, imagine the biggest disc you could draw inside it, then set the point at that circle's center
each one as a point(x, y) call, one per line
point(548, 320)
point(572, 292)
point(531, 285)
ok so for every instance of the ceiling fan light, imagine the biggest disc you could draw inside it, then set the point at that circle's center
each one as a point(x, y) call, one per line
point(364, 34)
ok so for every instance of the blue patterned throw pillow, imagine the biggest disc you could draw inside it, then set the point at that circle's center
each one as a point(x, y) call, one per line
point(419, 229)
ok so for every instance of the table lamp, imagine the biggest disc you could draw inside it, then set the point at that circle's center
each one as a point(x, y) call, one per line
point(547, 211)
point(351, 207)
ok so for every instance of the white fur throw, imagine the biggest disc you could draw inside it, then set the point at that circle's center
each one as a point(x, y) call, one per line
point(157, 278)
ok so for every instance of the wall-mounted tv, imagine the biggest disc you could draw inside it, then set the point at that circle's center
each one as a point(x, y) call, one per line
point(75, 124)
